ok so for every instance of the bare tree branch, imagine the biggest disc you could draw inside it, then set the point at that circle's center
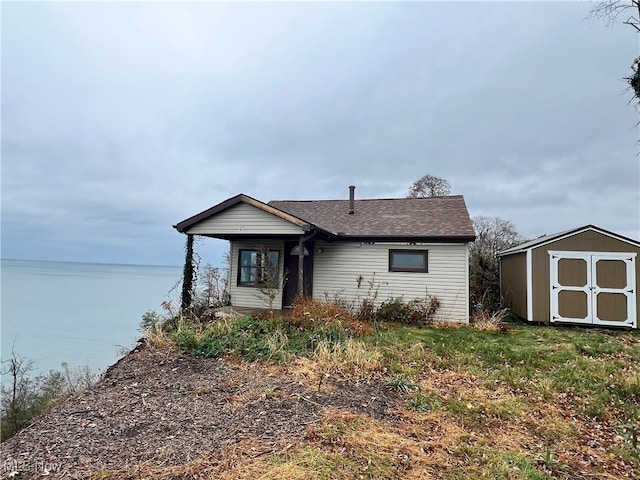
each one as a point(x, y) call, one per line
point(609, 10)
point(429, 186)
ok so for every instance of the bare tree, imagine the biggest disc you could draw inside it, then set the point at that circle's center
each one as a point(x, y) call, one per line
point(17, 397)
point(493, 235)
point(268, 278)
point(429, 186)
point(629, 12)
point(23, 396)
point(611, 10)
point(213, 287)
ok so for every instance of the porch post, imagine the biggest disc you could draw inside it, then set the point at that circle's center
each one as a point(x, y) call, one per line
point(301, 266)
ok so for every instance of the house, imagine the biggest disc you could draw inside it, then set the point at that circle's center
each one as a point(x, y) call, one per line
point(403, 247)
point(587, 275)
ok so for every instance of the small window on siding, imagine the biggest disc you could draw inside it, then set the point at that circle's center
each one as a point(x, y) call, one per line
point(408, 261)
point(256, 268)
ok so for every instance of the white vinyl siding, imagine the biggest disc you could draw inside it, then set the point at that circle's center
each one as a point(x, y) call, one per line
point(244, 219)
point(337, 266)
point(251, 297)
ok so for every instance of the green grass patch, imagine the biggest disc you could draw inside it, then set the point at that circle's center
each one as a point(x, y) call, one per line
point(599, 367)
point(483, 462)
point(424, 402)
point(481, 414)
point(255, 339)
point(320, 464)
point(401, 384)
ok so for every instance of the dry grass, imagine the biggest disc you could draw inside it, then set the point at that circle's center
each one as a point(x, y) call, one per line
point(349, 360)
point(490, 321)
point(246, 455)
point(485, 406)
point(156, 337)
point(422, 446)
point(470, 431)
point(310, 312)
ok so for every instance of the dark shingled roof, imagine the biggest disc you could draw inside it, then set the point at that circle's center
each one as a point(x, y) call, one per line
point(433, 217)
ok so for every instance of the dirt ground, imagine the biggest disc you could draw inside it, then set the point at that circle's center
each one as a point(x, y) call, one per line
point(157, 408)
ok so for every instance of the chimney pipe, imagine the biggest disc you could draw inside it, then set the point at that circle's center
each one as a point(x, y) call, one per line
point(352, 208)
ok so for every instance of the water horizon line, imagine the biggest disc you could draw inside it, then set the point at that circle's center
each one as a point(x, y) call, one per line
point(88, 263)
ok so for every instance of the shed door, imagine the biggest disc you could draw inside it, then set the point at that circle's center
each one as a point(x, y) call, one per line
point(596, 288)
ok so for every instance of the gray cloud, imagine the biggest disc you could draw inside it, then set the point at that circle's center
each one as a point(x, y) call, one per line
point(121, 119)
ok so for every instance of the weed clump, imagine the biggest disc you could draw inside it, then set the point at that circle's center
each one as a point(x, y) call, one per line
point(311, 313)
point(416, 311)
point(485, 320)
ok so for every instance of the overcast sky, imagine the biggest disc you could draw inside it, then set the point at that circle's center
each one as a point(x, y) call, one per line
point(121, 119)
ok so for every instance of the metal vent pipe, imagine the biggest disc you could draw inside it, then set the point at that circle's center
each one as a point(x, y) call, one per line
point(352, 208)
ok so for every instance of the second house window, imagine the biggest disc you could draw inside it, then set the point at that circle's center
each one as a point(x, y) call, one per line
point(408, 261)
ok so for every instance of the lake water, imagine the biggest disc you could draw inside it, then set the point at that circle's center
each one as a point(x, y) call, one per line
point(79, 313)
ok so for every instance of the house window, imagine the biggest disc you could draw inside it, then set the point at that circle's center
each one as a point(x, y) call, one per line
point(256, 267)
point(408, 261)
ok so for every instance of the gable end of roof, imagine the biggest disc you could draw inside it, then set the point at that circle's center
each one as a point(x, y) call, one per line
point(185, 225)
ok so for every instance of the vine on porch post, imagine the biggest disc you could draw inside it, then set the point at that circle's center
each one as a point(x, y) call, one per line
point(188, 276)
point(300, 286)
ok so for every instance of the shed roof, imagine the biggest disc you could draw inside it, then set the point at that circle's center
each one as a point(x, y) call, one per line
point(536, 242)
point(434, 218)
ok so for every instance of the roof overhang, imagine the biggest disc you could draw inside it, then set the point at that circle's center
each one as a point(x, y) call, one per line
point(406, 239)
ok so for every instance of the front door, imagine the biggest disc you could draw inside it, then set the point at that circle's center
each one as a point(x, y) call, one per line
point(290, 290)
point(595, 288)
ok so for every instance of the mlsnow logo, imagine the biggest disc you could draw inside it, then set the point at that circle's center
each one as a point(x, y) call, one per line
point(12, 466)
